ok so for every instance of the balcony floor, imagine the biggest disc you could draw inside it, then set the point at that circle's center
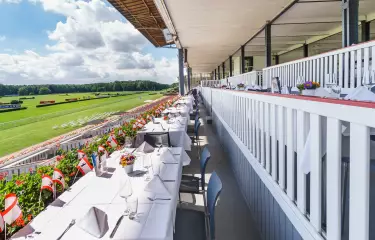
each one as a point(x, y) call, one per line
point(233, 218)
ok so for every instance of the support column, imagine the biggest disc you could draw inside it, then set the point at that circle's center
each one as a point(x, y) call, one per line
point(189, 78)
point(215, 75)
point(242, 59)
point(230, 67)
point(223, 67)
point(305, 50)
point(365, 31)
point(218, 73)
point(267, 30)
point(181, 71)
point(277, 59)
point(349, 22)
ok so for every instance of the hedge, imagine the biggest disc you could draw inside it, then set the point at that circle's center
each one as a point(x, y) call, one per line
point(12, 109)
point(52, 104)
point(24, 98)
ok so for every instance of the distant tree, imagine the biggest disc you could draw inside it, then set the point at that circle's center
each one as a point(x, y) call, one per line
point(44, 90)
point(101, 89)
point(117, 86)
point(23, 91)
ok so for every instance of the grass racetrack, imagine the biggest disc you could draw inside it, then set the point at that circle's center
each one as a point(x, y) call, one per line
point(20, 129)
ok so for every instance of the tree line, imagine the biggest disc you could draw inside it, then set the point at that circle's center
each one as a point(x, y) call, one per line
point(139, 85)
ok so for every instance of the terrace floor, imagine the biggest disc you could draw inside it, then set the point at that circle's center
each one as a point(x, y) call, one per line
point(234, 220)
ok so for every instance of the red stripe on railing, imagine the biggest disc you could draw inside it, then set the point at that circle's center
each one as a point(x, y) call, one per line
point(315, 99)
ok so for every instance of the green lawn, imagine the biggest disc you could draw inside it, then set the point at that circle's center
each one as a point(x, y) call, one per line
point(35, 128)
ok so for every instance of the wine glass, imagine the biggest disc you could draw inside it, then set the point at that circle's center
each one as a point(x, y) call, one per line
point(146, 165)
point(128, 142)
point(126, 192)
point(371, 79)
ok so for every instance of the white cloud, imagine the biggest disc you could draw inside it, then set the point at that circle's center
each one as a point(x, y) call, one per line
point(92, 45)
point(10, 1)
point(2, 38)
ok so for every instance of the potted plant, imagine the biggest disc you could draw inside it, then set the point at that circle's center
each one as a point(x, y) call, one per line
point(127, 162)
point(240, 86)
point(308, 88)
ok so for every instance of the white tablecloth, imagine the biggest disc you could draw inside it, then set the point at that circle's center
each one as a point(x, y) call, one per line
point(184, 111)
point(177, 132)
point(187, 102)
point(154, 221)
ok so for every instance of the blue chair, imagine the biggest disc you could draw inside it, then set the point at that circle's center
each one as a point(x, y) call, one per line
point(196, 185)
point(191, 224)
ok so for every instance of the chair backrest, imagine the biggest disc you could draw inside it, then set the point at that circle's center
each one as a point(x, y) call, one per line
point(196, 118)
point(213, 192)
point(196, 129)
point(158, 139)
point(205, 156)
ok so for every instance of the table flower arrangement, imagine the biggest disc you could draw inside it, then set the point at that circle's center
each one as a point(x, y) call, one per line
point(308, 88)
point(127, 162)
point(240, 85)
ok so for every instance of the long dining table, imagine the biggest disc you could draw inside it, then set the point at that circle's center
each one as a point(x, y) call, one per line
point(157, 200)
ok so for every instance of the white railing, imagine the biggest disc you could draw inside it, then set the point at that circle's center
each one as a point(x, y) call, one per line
point(214, 83)
point(350, 67)
point(271, 131)
point(249, 79)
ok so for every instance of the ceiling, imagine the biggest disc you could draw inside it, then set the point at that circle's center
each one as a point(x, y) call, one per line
point(212, 30)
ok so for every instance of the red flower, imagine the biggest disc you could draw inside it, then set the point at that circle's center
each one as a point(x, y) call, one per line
point(19, 183)
point(29, 217)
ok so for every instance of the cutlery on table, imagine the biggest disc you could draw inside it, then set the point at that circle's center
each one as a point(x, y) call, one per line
point(67, 229)
point(117, 224)
point(154, 199)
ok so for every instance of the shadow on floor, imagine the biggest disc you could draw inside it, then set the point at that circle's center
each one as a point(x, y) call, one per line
point(233, 218)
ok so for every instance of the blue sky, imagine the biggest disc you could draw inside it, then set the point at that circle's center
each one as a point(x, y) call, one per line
point(56, 30)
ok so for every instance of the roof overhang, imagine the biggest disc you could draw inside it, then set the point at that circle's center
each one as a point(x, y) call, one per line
point(145, 17)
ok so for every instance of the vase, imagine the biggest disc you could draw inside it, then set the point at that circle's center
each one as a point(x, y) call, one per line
point(129, 168)
point(308, 92)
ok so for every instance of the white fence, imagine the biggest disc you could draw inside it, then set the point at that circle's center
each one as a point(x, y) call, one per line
point(271, 132)
point(213, 83)
point(349, 67)
point(250, 78)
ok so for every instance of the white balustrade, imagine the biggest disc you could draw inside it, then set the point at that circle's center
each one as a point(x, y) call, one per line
point(271, 132)
point(249, 79)
point(349, 67)
point(212, 83)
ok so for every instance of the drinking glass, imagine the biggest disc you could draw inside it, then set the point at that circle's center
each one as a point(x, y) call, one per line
point(126, 192)
point(371, 79)
point(128, 142)
point(146, 164)
point(132, 205)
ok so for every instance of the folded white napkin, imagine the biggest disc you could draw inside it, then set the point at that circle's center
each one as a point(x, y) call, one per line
point(361, 94)
point(322, 92)
point(95, 222)
point(157, 188)
point(166, 156)
point(145, 148)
